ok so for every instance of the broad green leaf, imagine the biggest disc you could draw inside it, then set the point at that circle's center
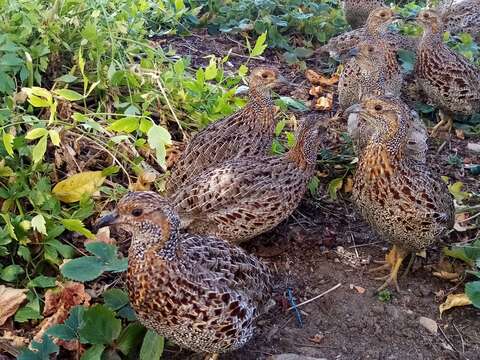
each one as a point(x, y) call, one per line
point(158, 137)
point(54, 137)
point(100, 326)
point(38, 101)
point(77, 226)
point(67, 78)
point(39, 149)
point(179, 5)
point(456, 190)
point(334, 186)
point(9, 226)
point(72, 189)
point(260, 45)
point(68, 94)
point(8, 142)
point(105, 252)
point(313, 185)
point(292, 103)
point(42, 281)
point(36, 133)
point(38, 223)
point(6, 171)
point(152, 347)
point(457, 252)
point(40, 350)
point(127, 124)
point(83, 269)
point(31, 311)
point(115, 298)
point(130, 338)
point(242, 70)
point(472, 290)
point(94, 353)
point(11, 273)
point(69, 329)
point(211, 70)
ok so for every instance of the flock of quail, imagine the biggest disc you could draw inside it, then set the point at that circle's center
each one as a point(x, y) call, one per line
point(187, 278)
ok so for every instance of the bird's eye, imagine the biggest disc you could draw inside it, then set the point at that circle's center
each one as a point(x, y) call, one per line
point(383, 14)
point(378, 108)
point(137, 212)
point(264, 75)
point(370, 49)
point(426, 16)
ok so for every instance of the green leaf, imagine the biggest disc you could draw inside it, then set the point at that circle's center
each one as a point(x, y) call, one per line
point(42, 281)
point(11, 273)
point(242, 70)
point(38, 102)
point(130, 338)
point(38, 223)
point(158, 137)
point(67, 78)
point(54, 137)
point(456, 190)
point(31, 311)
point(9, 226)
point(40, 350)
point(292, 103)
point(457, 252)
point(83, 269)
point(105, 252)
point(77, 226)
point(39, 149)
point(260, 45)
point(313, 185)
point(472, 290)
point(334, 186)
point(36, 133)
point(100, 326)
point(68, 94)
point(179, 5)
point(152, 347)
point(8, 142)
point(94, 353)
point(211, 70)
point(127, 124)
point(115, 298)
point(69, 329)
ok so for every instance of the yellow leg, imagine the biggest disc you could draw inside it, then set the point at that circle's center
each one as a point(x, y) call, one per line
point(212, 356)
point(445, 123)
point(393, 262)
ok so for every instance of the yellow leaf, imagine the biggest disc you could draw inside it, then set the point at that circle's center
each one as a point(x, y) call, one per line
point(72, 189)
point(454, 300)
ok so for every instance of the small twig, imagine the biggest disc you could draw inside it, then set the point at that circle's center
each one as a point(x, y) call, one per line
point(449, 341)
point(461, 338)
point(363, 245)
point(441, 147)
point(317, 297)
point(317, 346)
point(470, 218)
point(354, 245)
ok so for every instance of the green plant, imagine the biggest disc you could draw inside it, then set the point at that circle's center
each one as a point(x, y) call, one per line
point(384, 296)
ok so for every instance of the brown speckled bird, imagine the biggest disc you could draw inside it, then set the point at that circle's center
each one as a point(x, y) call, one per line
point(376, 26)
point(248, 132)
point(449, 80)
point(374, 70)
point(461, 16)
point(245, 197)
point(357, 11)
point(399, 197)
point(198, 291)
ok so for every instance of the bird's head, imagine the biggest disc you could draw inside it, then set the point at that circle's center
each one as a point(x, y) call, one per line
point(148, 216)
point(430, 20)
point(266, 77)
point(379, 19)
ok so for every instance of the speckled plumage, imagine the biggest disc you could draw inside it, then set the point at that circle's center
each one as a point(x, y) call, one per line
point(198, 291)
point(376, 26)
point(248, 132)
point(357, 11)
point(449, 80)
point(461, 16)
point(416, 147)
point(373, 71)
point(245, 197)
point(401, 199)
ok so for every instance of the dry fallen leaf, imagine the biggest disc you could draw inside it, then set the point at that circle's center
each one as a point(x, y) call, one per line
point(324, 103)
point(317, 339)
point(144, 181)
point(14, 340)
point(359, 289)
point(316, 91)
point(450, 276)
point(58, 303)
point(460, 134)
point(73, 188)
point(460, 224)
point(318, 79)
point(102, 235)
point(10, 301)
point(454, 300)
point(348, 185)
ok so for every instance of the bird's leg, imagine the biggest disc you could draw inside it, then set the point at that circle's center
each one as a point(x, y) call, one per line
point(394, 259)
point(410, 264)
point(387, 264)
point(212, 356)
point(445, 123)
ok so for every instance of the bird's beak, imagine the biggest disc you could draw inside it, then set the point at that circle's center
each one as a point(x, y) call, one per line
point(283, 80)
point(410, 18)
point(351, 53)
point(354, 109)
point(397, 17)
point(107, 220)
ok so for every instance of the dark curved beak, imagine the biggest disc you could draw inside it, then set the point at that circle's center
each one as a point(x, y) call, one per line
point(352, 53)
point(354, 109)
point(107, 220)
point(283, 80)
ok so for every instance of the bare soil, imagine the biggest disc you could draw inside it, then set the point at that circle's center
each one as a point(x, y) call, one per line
point(326, 243)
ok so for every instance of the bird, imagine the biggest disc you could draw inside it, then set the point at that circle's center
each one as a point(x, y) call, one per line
point(376, 26)
point(447, 78)
point(245, 197)
point(199, 292)
point(248, 132)
point(357, 11)
point(461, 17)
point(398, 196)
point(375, 71)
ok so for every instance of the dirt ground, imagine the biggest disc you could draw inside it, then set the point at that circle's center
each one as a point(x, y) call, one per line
point(325, 243)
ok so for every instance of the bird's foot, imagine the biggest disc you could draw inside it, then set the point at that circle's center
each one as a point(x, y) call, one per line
point(393, 261)
point(445, 124)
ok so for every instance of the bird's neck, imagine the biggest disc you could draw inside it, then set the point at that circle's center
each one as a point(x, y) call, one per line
point(165, 246)
point(304, 154)
point(432, 34)
point(260, 106)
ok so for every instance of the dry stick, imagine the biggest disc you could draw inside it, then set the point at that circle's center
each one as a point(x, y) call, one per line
point(316, 297)
point(461, 338)
point(450, 342)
